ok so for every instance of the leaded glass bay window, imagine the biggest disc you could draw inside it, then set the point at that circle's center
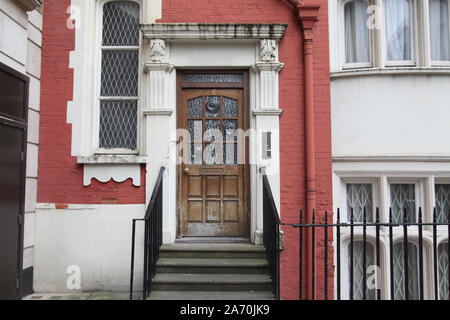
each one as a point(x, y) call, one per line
point(118, 105)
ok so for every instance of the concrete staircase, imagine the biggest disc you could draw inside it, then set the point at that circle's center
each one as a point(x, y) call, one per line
point(212, 271)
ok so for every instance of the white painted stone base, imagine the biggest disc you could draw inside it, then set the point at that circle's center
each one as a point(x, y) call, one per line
point(96, 238)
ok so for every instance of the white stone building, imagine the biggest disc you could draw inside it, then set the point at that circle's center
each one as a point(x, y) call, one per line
point(20, 50)
point(390, 102)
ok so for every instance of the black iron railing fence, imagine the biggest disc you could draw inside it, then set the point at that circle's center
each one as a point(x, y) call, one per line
point(271, 235)
point(152, 238)
point(351, 254)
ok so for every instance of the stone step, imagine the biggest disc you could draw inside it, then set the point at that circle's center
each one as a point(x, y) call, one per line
point(213, 250)
point(212, 295)
point(202, 240)
point(211, 282)
point(209, 266)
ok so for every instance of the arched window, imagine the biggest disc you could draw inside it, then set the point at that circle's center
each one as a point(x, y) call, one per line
point(398, 29)
point(118, 96)
point(439, 30)
point(443, 271)
point(399, 272)
point(358, 269)
point(357, 36)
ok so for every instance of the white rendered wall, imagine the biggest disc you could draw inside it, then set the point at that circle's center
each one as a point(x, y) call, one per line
point(20, 49)
point(95, 238)
point(391, 116)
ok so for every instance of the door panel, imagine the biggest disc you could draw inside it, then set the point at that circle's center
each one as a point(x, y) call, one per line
point(10, 206)
point(212, 175)
point(13, 134)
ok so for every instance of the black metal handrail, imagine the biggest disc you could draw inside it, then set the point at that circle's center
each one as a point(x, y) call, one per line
point(271, 235)
point(152, 238)
point(360, 232)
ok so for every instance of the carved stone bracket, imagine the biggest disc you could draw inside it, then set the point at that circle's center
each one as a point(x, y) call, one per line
point(268, 50)
point(158, 58)
point(266, 81)
point(158, 69)
point(158, 53)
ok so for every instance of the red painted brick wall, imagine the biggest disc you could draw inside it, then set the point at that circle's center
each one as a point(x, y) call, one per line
point(292, 127)
point(60, 177)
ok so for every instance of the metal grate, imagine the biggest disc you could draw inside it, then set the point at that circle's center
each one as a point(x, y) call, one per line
point(121, 23)
point(119, 76)
point(118, 124)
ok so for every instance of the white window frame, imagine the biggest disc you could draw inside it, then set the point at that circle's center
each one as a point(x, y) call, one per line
point(425, 197)
point(426, 12)
point(420, 40)
point(357, 65)
point(98, 74)
point(413, 35)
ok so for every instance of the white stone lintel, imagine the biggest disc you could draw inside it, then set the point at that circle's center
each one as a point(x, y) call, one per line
point(112, 159)
point(213, 31)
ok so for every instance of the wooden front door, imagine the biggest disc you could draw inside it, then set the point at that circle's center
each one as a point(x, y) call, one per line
point(213, 174)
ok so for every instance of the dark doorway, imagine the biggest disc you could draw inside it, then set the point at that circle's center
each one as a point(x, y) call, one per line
point(13, 143)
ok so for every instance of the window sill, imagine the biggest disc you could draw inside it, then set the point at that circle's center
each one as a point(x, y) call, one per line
point(390, 71)
point(112, 159)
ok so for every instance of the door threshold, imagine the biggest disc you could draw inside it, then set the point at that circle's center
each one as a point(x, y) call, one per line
point(213, 240)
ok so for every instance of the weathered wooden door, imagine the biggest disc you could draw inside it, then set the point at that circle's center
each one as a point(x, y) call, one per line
point(212, 175)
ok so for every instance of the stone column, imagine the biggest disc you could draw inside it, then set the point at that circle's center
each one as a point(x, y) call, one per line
point(158, 111)
point(267, 112)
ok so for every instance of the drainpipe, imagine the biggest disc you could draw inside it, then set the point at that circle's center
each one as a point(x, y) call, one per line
point(308, 15)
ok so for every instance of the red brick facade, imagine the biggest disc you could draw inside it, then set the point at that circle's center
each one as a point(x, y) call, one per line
point(61, 178)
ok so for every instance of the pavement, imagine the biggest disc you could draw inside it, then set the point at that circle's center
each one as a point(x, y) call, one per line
point(83, 296)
